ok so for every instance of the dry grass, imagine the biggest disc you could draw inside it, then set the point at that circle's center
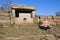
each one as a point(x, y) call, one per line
point(29, 32)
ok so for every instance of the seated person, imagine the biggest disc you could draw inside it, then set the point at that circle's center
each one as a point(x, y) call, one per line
point(45, 24)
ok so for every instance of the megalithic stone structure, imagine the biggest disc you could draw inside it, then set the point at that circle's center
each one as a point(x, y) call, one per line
point(33, 14)
point(13, 17)
point(22, 14)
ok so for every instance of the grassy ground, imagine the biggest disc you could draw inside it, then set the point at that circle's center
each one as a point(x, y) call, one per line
point(27, 32)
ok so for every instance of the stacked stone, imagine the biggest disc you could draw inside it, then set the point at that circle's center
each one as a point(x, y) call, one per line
point(50, 19)
point(54, 20)
point(4, 13)
point(4, 16)
point(42, 18)
point(57, 19)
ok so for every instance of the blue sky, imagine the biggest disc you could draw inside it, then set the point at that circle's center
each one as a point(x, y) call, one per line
point(43, 7)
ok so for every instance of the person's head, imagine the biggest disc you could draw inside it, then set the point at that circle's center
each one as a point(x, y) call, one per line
point(46, 19)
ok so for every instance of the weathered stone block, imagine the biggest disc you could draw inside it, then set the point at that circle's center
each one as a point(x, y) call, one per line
point(53, 23)
point(56, 17)
point(49, 17)
point(42, 17)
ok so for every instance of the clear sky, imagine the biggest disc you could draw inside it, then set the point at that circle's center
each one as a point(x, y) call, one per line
point(43, 7)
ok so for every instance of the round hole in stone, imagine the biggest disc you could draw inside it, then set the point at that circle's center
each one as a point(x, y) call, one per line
point(24, 19)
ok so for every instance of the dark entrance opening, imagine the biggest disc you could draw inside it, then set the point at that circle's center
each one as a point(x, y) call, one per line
point(16, 13)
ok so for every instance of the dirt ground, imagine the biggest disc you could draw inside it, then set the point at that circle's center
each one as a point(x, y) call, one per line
point(28, 32)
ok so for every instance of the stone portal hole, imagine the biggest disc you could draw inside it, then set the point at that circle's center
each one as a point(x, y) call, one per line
point(24, 19)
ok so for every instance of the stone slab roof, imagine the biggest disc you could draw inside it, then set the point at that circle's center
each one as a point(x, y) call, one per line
point(15, 6)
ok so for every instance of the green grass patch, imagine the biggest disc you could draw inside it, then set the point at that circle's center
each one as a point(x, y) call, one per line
point(1, 25)
point(39, 23)
point(10, 25)
point(2, 34)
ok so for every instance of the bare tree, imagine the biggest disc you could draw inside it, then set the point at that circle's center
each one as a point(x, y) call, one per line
point(1, 8)
point(5, 4)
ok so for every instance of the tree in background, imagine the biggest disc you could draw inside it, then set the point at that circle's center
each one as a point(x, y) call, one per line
point(5, 4)
point(1, 8)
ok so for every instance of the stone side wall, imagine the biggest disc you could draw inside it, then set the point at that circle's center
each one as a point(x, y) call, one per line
point(54, 20)
point(4, 17)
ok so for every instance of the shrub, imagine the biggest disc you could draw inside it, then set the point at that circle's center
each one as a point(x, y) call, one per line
point(1, 25)
point(39, 23)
